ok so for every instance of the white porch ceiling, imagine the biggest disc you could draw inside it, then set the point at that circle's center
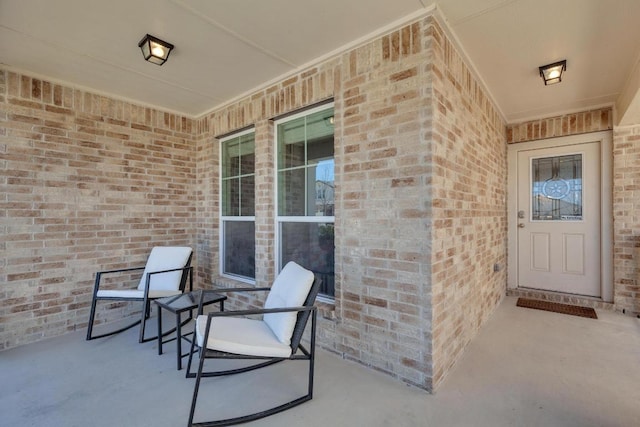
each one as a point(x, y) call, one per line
point(226, 48)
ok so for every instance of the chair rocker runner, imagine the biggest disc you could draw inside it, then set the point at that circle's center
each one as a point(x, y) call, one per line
point(275, 338)
point(165, 274)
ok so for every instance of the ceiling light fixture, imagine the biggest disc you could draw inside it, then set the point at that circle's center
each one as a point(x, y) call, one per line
point(155, 50)
point(552, 73)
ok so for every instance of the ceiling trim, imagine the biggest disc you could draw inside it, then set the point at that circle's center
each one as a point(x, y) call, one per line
point(389, 28)
point(484, 11)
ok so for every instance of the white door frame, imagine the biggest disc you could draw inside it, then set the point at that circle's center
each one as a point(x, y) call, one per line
point(606, 207)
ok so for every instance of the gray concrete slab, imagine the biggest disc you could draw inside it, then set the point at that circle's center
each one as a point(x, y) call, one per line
point(525, 368)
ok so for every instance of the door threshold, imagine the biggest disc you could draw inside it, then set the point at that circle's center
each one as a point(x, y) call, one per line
point(581, 300)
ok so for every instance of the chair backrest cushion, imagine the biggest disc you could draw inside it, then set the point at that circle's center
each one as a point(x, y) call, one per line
point(290, 289)
point(165, 258)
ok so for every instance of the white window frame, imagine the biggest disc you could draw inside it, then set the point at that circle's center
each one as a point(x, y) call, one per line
point(302, 219)
point(226, 218)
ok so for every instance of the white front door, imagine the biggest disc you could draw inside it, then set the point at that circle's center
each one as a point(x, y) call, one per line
point(557, 217)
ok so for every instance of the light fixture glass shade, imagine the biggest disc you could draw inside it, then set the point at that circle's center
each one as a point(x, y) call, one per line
point(552, 73)
point(155, 50)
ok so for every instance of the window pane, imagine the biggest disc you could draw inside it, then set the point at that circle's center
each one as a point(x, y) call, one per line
point(312, 246)
point(247, 154)
point(247, 196)
point(291, 144)
point(320, 134)
point(305, 140)
point(231, 197)
point(324, 188)
point(230, 159)
point(238, 167)
point(292, 155)
point(320, 149)
point(239, 248)
point(311, 197)
point(291, 192)
point(556, 188)
point(238, 156)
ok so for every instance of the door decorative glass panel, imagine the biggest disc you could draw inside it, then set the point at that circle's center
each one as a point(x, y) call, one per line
point(556, 188)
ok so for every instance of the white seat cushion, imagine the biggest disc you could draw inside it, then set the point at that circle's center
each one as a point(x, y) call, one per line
point(165, 258)
point(290, 289)
point(241, 336)
point(134, 293)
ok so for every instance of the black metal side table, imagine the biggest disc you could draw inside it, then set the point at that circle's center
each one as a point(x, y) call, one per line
point(177, 305)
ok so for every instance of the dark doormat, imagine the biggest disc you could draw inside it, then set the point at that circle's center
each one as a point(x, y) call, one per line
point(556, 307)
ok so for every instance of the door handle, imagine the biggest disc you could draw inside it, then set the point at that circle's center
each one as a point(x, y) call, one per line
point(520, 225)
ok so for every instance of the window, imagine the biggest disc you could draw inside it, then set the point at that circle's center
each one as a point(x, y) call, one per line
point(556, 188)
point(305, 193)
point(237, 206)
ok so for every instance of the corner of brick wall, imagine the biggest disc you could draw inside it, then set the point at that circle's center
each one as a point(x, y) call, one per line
point(469, 205)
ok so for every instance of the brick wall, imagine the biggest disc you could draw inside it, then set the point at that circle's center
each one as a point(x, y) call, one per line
point(626, 222)
point(87, 183)
point(383, 207)
point(469, 222)
point(567, 124)
point(385, 231)
point(207, 154)
point(380, 203)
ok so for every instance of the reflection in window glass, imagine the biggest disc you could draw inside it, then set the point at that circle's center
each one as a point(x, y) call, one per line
point(310, 244)
point(247, 195)
point(324, 194)
point(240, 248)
point(556, 188)
point(305, 165)
point(238, 176)
point(291, 192)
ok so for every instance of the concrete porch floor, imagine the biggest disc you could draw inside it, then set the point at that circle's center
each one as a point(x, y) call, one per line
point(525, 368)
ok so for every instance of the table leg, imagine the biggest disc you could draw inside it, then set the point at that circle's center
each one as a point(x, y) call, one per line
point(179, 340)
point(159, 330)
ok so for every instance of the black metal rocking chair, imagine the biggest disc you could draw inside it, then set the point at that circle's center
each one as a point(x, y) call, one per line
point(165, 274)
point(230, 335)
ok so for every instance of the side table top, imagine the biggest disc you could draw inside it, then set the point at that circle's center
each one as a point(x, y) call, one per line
point(188, 301)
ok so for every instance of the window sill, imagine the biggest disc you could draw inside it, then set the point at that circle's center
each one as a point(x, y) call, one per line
point(326, 308)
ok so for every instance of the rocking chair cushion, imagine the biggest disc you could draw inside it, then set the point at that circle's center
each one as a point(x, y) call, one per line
point(165, 258)
point(241, 336)
point(290, 289)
